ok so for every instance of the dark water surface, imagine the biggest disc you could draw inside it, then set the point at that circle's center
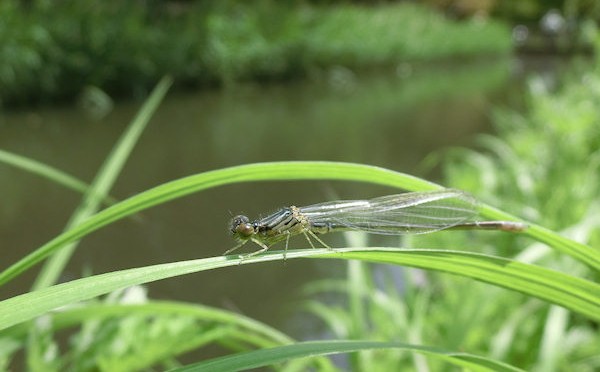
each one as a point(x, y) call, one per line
point(388, 118)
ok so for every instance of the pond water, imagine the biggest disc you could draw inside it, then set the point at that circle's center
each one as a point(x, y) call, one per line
point(393, 118)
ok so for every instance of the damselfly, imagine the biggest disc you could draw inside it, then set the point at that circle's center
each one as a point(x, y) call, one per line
point(408, 213)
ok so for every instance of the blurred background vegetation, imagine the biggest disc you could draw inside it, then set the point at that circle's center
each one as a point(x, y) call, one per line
point(54, 49)
point(402, 84)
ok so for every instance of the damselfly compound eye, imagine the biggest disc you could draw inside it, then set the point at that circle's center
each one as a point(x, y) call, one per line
point(241, 225)
point(245, 229)
point(236, 221)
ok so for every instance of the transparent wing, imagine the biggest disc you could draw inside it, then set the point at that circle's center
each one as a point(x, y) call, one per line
point(409, 213)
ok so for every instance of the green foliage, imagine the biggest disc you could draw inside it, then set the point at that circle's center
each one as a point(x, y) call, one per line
point(544, 164)
point(530, 11)
point(547, 160)
point(530, 280)
point(53, 50)
point(388, 303)
point(127, 332)
point(576, 294)
point(103, 182)
point(246, 41)
point(271, 356)
point(362, 36)
point(571, 292)
point(29, 62)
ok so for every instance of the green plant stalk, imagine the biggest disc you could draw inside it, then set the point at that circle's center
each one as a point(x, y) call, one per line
point(573, 293)
point(103, 182)
point(356, 288)
point(267, 357)
point(301, 170)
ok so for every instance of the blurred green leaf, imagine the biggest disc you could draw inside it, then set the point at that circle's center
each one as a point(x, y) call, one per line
point(268, 357)
point(46, 171)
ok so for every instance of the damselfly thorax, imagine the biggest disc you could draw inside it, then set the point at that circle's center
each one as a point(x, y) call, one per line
point(408, 213)
point(277, 227)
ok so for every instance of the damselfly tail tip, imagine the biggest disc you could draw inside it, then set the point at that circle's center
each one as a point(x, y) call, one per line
point(514, 227)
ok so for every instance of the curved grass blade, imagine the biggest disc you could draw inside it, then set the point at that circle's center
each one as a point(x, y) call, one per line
point(268, 357)
point(188, 185)
point(262, 335)
point(46, 171)
point(72, 317)
point(570, 292)
point(264, 172)
point(103, 182)
point(579, 295)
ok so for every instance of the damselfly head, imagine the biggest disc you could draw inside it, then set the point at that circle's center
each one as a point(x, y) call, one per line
point(241, 227)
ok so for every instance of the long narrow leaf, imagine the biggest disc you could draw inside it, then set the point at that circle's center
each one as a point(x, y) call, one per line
point(268, 357)
point(573, 293)
point(188, 185)
point(103, 182)
point(77, 315)
point(263, 335)
point(255, 172)
point(570, 292)
point(47, 171)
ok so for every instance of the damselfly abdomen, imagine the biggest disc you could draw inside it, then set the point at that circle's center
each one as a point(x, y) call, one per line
point(408, 213)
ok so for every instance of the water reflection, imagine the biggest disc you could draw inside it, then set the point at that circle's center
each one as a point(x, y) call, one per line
point(383, 118)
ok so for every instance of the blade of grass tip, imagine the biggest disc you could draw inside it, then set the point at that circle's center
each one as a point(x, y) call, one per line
point(103, 182)
point(48, 172)
point(295, 170)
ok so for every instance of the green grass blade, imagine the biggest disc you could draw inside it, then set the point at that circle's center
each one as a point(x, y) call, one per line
point(188, 185)
point(280, 354)
point(46, 171)
point(579, 295)
point(103, 182)
point(72, 317)
point(570, 292)
point(246, 173)
point(262, 334)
